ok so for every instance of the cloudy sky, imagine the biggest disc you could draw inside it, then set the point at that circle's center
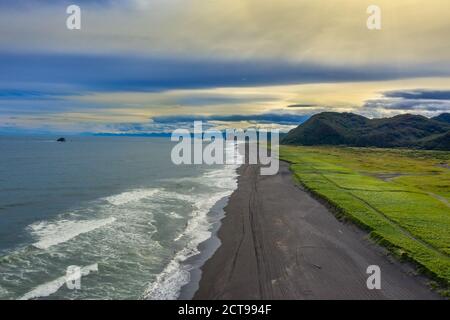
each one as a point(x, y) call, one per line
point(154, 65)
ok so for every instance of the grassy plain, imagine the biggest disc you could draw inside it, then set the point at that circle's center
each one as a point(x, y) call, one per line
point(401, 196)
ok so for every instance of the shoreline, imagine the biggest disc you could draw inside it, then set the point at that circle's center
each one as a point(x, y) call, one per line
point(278, 242)
point(207, 249)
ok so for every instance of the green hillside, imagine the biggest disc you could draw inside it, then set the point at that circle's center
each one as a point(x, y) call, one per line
point(411, 131)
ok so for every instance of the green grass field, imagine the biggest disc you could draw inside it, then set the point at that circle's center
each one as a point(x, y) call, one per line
point(401, 196)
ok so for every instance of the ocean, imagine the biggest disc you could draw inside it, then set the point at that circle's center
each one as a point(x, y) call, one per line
point(115, 208)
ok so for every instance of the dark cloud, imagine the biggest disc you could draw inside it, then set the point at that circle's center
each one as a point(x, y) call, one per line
point(151, 127)
point(418, 100)
point(419, 94)
point(165, 124)
point(14, 94)
point(86, 73)
point(282, 118)
point(403, 104)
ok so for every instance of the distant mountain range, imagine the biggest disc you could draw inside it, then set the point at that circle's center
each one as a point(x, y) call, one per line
point(411, 131)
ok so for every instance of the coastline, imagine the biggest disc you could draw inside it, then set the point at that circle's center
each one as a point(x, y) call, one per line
point(277, 242)
point(206, 250)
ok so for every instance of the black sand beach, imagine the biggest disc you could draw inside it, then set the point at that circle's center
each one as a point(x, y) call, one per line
point(280, 243)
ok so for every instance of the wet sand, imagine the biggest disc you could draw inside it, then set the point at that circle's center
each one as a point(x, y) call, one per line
point(280, 243)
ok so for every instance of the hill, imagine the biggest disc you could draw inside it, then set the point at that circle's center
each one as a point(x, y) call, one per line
point(412, 131)
point(443, 117)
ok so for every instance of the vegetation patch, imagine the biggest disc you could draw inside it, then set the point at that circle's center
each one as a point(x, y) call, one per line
point(400, 196)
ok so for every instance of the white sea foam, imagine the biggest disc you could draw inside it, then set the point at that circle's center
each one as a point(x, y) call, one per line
point(175, 215)
point(131, 196)
point(168, 283)
point(48, 288)
point(50, 234)
point(3, 291)
point(176, 274)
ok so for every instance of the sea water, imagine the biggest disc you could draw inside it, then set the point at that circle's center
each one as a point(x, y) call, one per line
point(116, 207)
